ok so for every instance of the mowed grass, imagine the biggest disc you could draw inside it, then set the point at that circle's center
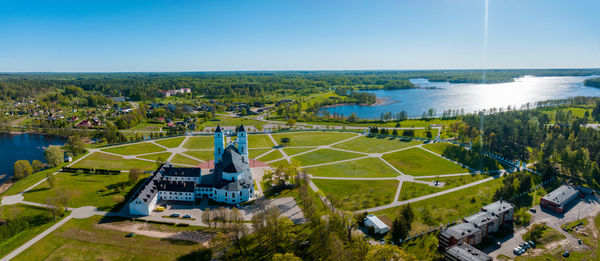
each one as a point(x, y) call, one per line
point(200, 142)
point(367, 168)
point(259, 141)
point(257, 152)
point(273, 155)
point(83, 239)
point(325, 156)
point(294, 151)
point(457, 181)
point(201, 155)
point(375, 144)
point(278, 163)
point(438, 147)
point(162, 155)
point(417, 162)
point(465, 157)
point(87, 190)
point(358, 194)
point(414, 190)
point(313, 138)
point(99, 160)
point(181, 159)
point(171, 143)
point(38, 219)
point(449, 207)
point(137, 148)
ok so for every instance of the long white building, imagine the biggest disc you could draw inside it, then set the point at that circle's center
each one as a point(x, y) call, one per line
point(229, 182)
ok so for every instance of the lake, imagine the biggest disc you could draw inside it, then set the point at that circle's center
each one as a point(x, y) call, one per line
point(22, 147)
point(470, 97)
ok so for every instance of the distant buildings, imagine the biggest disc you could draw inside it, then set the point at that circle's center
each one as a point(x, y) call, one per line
point(476, 227)
point(169, 93)
point(465, 252)
point(376, 223)
point(559, 198)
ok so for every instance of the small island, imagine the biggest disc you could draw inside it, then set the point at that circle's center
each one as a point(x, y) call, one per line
point(593, 82)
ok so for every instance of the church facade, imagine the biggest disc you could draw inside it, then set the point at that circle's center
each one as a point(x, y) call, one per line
point(230, 181)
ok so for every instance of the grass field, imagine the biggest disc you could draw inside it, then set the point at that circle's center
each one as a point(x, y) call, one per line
point(358, 194)
point(81, 239)
point(201, 155)
point(457, 181)
point(170, 143)
point(253, 153)
point(181, 159)
point(375, 144)
point(37, 218)
point(325, 156)
point(87, 190)
point(162, 155)
point(313, 138)
point(414, 190)
point(28, 181)
point(294, 151)
point(466, 157)
point(278, 163)
point(438, 147)
point(368, 168)
point(200, 142)
point(99, 160)
point(449, 207)
point(273, 155)
point(418, 162)
point(259, 141)
point(234, 121)
point(134, 149)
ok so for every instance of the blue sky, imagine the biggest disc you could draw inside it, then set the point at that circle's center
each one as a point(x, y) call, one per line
point(211, 35)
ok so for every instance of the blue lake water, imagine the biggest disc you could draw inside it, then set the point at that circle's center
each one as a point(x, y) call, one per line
point(22, 147)
point(470, 97)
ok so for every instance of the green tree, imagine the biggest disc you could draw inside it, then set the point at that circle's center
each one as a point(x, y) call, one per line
point(353, 117)
point(22, 169)
point(284, 141)
point(54, 156)
point(75, 145)
point(51, 179)
point(285, 257)
point(37, 165)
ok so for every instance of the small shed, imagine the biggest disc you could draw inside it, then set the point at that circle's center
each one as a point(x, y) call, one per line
point(373, 221)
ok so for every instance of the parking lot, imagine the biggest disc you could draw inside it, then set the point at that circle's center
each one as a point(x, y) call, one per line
point(579, 208)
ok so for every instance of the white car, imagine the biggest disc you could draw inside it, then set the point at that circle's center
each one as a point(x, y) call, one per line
point(517, 250)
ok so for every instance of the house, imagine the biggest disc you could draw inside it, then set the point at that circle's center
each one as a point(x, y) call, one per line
point(229, 182)
point(68, 158)
point(465, 252)
point(169, 93)
point(376, 223)
point(559, 198)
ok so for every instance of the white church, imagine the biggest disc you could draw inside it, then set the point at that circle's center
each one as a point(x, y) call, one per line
point(229, 182)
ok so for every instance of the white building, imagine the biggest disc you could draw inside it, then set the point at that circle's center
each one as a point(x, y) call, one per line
point(373, 221)
point(230, 182)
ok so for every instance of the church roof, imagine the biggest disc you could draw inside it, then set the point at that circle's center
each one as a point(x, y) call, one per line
point(218, 128)
point(241, 128)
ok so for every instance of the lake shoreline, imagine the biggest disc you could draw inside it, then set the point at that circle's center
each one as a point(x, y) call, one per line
point(378, 101)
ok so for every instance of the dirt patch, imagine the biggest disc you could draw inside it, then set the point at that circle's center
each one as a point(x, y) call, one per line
point(145, 229)
point(5, 185)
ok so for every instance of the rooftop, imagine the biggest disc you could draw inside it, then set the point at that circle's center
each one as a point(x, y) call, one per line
point(467, 252)
point(498, 207)
point(181, 172)
point(376, 221)
point(461, 230)
point(561, 195)
point(480, 219)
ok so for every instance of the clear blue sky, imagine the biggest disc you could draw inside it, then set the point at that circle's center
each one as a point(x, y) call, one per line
point(207, 35)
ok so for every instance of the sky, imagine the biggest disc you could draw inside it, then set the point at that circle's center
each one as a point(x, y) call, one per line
point(226, 35)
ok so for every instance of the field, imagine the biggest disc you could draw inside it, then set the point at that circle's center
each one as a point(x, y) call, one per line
point(457, 181)
point(449, 207)
point(137, 148)
point(273, 155)
point(375, 144)
point(259, 141)
point(99, 160)
point(86, 190)
point(438, 147)
point(83, 239)
point(414, 190)
point(162, 155)
point(313, 138)
point(170, 143)
point(201, 155)
point(325, 156)
point(294, 151)
point(253, 153)
point(358, 194)
point(180, 159)
point(418, 162)
point(200, 142)
point(370, 168)
point(38, 219)
point(466, 157)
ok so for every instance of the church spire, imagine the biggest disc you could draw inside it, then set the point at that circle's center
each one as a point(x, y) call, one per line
point(218, 128)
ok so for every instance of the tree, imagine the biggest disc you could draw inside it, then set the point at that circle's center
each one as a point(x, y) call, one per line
point(399, 229)
point(207, 216)
point(238, 228)
point(285, 257)
point(51, 179)
point(75, 145)
point(37, 165)
point(284, 141)
point(291, 122)
point(596, 112)
point(64, 196)
point(349, 223)
point(22, 169)
point(53, 207)
point(219, 243)
point(134, 175)
point(388, 252)
point(54, 156)
point(395, 132)
point(353, 117)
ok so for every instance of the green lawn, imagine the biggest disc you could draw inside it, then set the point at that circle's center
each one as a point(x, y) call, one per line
point(278, 163)
point(201, 155)
point(466, 157)
point(99, 160)
point(180, 159)
point(358, 194)
point(414, 190)
point(438, 147)
point(170, 143)
point(325, 156)
point(163, 155)
point(294, 151)
point(87, 190)
point(418, 162)
point(37, 218)
point(259, 141)
point(82, 239)
point(200, 142)
point(370, 167)
point(137, 148)
point(449, 207)
point(28, 181)
point(257, 152)
point(457, 181)
point(313, 138)
point(375, 144)
point(271, 156)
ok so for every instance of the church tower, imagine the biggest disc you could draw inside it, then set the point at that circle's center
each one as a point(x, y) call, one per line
point(219, 145)
point(242, 146)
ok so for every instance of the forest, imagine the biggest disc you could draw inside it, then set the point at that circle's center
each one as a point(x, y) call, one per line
point(594, 82)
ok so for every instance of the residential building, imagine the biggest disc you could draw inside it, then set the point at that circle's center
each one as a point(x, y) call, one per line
point(376, 223)
point(465, 252)
point(558, 199)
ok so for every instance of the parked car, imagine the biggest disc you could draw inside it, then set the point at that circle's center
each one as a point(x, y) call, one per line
point(526, 245)
point(159, 209)
point(517, 250)
point(175, 215)
point(130, 234)
point(187, 216)
point(531, 243)
point(566, 254)
point(532, 210)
